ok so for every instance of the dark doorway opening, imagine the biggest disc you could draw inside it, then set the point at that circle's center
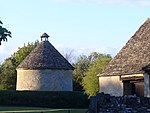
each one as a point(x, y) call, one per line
point(133, 85)
point(128, 88)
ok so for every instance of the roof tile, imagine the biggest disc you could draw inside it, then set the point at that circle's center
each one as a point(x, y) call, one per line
point(45, 56)
point(133, 56)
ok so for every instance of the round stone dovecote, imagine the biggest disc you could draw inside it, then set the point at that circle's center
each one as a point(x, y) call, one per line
point(44, 69)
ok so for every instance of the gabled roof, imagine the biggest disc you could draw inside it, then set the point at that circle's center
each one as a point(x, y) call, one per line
point(133, 56)
point(45, 56)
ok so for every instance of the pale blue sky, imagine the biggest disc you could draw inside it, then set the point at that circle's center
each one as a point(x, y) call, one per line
point(83, 25)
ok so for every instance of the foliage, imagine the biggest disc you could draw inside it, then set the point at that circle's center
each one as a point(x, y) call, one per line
point(49, 99)
point(0, 74)
point(9, 74)
point(4, 33)
point(86, 66)
point(90, 81)
point(84, 75)
point(0, 69)
point(21, 54)
point(81, 67)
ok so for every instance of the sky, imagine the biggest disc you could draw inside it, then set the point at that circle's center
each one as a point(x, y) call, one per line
point(84, 26)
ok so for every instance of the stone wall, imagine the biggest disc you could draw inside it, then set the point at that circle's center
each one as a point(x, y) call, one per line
point(111, 85)
point(104, 103)
point(44, 80)
point(146, 85)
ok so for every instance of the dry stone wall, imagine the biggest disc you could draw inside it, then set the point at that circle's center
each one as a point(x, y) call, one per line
point(104, 103)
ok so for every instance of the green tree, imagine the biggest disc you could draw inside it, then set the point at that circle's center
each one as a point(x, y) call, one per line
point(81, 67)
point(8, 72)
point(8, 75)
point(21, 54)
point(97, 64)
point(4, 33)
point(0, 69)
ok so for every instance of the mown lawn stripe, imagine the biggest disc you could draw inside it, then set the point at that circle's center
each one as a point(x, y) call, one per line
point(30, 109)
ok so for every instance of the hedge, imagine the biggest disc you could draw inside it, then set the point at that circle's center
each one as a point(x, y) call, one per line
point(47, 99)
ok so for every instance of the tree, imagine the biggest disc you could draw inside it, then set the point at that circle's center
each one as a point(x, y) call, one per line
point(69, 55)
point(9, 74)
point(0, 69)
point(20, 55)
point(81, 67)
point(4, 33)
point(90, 81)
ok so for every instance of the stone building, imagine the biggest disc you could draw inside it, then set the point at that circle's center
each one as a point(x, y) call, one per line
point(146, 70)
point(124, 74)
point(45, 69)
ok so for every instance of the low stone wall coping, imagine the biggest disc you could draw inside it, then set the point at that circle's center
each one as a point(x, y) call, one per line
point(105, 103)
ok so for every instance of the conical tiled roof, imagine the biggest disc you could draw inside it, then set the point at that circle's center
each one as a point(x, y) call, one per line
point(133, 56)
point(45, 56)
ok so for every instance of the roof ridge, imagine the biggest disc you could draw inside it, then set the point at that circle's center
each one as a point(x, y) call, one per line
point(134, 55)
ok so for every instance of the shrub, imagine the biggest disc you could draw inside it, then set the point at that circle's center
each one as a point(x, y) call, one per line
point(49, 99)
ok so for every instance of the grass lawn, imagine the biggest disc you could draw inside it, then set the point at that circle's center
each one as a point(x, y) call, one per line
point(70, 111)
point(39, 110)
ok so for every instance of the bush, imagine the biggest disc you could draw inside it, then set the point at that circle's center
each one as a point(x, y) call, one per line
point(49, 99)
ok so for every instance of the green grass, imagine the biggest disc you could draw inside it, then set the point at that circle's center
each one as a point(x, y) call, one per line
point(39, 110)
point(69, 111)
